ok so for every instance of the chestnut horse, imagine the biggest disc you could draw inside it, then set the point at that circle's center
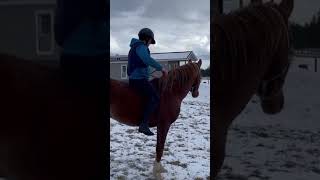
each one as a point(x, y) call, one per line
point(251, 47)
point(48, 130)
point(126, 105)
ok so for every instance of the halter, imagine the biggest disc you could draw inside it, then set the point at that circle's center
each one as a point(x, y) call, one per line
point(264, 84)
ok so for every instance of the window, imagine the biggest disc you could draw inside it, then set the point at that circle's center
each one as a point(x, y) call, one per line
point(172, 66)
point(45, 24)
point(44, 32)
point(123, 71)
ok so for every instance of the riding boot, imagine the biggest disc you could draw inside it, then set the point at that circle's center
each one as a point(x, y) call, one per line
point(144, 125)
point(147, 91)
point(144, 128)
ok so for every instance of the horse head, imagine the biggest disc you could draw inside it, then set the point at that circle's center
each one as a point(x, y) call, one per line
point(270, 89)
point(196, 79)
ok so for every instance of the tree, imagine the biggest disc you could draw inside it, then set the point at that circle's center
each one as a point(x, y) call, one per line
point(241, 4)
point(307, 35)
point(256, 1)
point(205, 72)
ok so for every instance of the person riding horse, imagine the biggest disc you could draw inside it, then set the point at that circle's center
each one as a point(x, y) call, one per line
point(139, 60)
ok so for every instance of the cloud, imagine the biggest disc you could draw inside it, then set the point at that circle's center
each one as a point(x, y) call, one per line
point(178, 25)
point(114, 45)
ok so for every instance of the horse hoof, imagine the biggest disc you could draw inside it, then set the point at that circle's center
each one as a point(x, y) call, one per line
point(158, 176)
point(158, 168)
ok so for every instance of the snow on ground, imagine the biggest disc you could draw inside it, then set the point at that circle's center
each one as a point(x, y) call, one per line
point(283, 146)
point(187, 148)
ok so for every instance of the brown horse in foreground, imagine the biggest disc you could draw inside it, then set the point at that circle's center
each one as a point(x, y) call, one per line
point(251, 48)
point(126, 106)
point(47, 130)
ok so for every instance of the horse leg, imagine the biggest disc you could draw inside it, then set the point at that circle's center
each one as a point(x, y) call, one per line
point(162, 131)
point(219, 144)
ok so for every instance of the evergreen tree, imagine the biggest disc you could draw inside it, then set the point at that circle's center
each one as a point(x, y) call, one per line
point(307, 35)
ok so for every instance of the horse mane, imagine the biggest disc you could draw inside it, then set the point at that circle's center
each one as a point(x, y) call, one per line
point(250, 35)
point(177, 78)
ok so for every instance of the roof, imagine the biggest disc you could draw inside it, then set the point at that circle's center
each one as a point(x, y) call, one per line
point(26, 2)
point(308, 52)
point(164, 56)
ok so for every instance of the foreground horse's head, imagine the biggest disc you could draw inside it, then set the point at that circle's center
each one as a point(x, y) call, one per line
point(250, 56)
point(270, 89)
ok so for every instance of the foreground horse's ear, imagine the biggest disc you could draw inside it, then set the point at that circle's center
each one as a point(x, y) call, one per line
point(199, 62)
point(189, 61)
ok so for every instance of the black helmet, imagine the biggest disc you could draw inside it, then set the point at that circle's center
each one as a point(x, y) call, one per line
point(146, 33)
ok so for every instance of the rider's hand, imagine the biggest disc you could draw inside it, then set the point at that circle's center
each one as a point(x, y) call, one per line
point(164, 72)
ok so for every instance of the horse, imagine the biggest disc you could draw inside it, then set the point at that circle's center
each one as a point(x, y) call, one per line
point(126, 105)
point(251, 56)
point(48, 129)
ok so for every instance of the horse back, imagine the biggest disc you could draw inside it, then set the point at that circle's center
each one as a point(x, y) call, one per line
point(127, 105)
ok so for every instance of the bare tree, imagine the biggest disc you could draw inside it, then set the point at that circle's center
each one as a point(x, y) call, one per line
point(256, 1)
point(241, 3)
point(217, 6)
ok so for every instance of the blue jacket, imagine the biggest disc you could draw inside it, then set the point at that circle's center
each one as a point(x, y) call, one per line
point(139, 60)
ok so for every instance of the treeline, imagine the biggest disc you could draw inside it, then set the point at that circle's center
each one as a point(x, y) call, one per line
point(307, 35)
point(205, 72)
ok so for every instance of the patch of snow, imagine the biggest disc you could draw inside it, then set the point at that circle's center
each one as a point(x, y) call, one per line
point(187, 148)
point(282, 146)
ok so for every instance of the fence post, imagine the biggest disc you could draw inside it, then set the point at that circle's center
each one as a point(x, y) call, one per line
point(315, 64)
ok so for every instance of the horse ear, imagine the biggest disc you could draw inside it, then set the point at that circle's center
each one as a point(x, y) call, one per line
point(199, 62)
point(189, 61)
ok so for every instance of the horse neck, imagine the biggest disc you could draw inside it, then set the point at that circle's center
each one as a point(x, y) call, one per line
point(182, 90)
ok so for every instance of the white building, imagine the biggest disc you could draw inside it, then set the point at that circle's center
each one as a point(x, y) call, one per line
point(170, 60)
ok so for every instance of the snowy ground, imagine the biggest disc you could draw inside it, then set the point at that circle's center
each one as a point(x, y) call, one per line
point(187, 149)
point(283, 146)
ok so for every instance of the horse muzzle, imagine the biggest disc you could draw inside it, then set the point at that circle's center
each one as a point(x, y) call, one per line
point(273, 105)
point(195, 94)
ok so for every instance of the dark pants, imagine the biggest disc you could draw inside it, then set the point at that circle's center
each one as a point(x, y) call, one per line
point(143, 87)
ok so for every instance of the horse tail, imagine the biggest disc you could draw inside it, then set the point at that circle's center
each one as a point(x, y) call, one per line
point(286, 7)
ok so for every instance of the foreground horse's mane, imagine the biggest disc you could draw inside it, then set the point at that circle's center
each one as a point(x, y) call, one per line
point(257, 23)
point(178, 77)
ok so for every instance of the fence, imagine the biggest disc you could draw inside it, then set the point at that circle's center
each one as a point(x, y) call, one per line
point(309, 53)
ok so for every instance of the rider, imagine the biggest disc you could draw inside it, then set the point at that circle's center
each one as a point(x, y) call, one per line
point(139, 60)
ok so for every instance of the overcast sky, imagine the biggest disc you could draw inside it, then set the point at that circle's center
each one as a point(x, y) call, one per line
point(304, 10)
point(178, 25)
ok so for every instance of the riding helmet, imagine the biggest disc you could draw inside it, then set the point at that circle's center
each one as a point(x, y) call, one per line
point(146, 33)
